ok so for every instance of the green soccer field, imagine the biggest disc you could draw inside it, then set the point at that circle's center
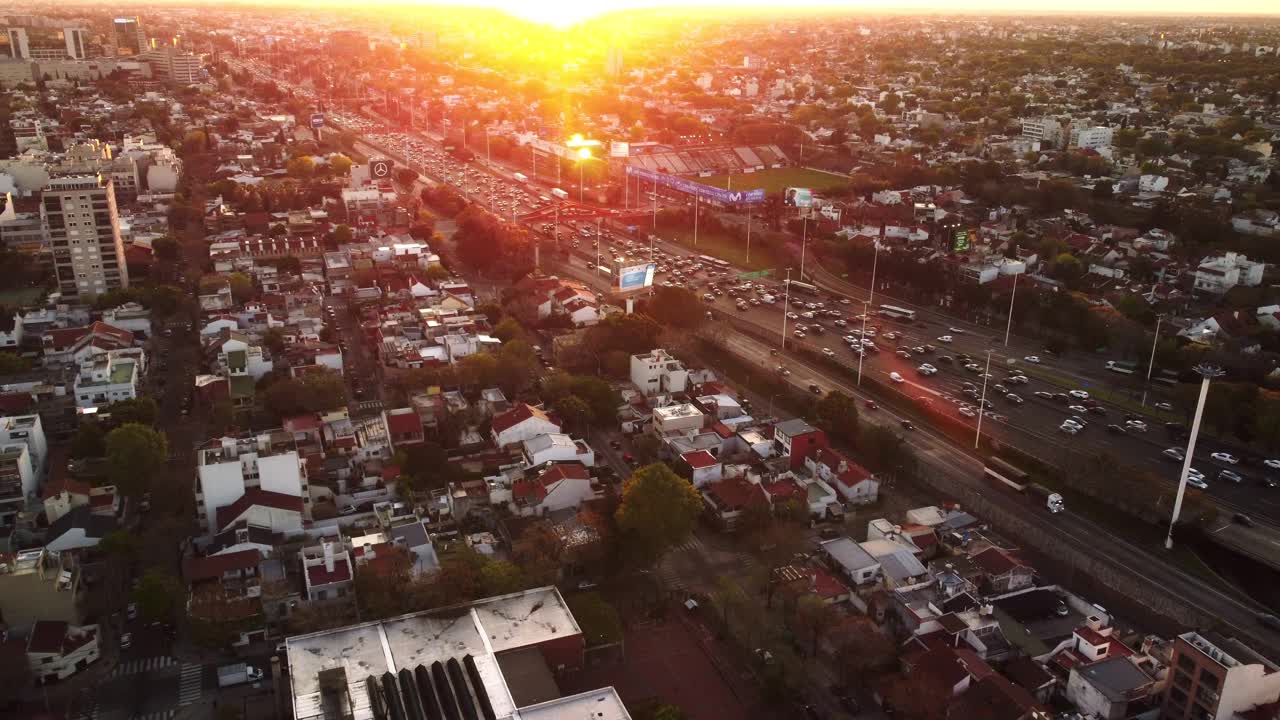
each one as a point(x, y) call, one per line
point(778, 180)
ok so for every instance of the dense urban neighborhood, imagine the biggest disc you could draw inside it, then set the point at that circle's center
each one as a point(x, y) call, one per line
point(446, 363)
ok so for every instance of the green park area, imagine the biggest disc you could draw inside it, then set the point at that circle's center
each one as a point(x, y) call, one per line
point(778, 180)
point(726, 247)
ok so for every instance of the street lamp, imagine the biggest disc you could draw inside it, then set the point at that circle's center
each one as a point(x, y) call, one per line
point(982, 410)
point(1207, 374)
point(862, 348)
point(584, 154)
point(1009, 326)
point(1152, 362)
point(786, 307)
point(875, 260)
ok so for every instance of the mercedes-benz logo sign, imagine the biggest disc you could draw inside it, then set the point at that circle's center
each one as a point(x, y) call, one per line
point(381, 168)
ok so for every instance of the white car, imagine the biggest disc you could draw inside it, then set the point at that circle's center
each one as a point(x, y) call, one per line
point(1197, 482)
point(1079, 394)
point(1162, 406)
point(1069, 428)
point(1273, 464)
point(967, 411)
point(927, 369)
point(828, 352)
point(799, 334)
point(1033, 359)
point(896, 377)
point(891, 335)
point(1175, 454)
point(1015, 399)
point(1078, 408)
point(955, 331)
point(1227, 458)
point(792, 316)
point(1136, 425)
point(945, 339)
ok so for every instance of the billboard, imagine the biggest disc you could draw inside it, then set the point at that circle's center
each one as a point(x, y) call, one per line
point(317, 120)
point(960, 241)
point(798, 197)
point(619, 149)
point(380, 169)
point(706, 192)
point(635, 277)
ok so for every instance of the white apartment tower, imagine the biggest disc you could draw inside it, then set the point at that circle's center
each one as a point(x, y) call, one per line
point(83, 228)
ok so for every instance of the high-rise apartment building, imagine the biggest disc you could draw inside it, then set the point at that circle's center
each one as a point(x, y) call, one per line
point(1217, 678)
point(83, 227)
point(127, 36)
point(1091, 138)
point(173, 66)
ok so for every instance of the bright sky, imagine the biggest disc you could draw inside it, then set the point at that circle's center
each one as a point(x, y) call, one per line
point(563, 13)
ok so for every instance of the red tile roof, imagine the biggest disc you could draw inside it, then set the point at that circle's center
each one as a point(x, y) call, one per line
point(516, 415)
point(698, 459)
point(995, 562)
point(783, 490)
point(318, 575)
point(853, 473)
point(941, 664)
point(403, 423)
point(732, 494)
point(214, 566)
point(302, 423)
point(16, 402)
point(540, 486)
point(74, 487)
point(722, 430)
point(47, 636)
point(227, 514)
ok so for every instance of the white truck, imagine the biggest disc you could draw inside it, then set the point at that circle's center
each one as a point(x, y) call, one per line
point(520, 178)
point(237, 674)
point(561, 194)
point(1124, 368)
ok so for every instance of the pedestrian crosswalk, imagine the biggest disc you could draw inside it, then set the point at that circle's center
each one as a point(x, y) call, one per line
point(191, 684)
point(158, 715)
point(692, 543)
point(142, 665)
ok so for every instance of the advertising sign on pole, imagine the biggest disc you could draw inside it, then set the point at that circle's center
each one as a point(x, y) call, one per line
point(317, 120)
point(380, 169)
point(798, 197)
point(635, 277)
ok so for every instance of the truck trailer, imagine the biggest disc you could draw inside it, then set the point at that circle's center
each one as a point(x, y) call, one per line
point(237, 674)
point(1007, 477)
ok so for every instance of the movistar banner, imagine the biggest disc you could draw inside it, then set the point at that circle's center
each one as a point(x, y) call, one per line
point(675, 182)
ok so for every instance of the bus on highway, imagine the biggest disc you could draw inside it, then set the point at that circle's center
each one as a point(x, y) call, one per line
point(717, 262)
point(560, 193)
point(520, 178)
point(894, 311)
point(797, 286)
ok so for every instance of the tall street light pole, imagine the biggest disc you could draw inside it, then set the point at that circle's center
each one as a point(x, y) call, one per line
point(1207, 374)
point(786, 307)
point(695, 220)
point(875, 260)
point(748, 261)
point(862, 349)
point(982, 410)
point(1152, 362)
point(1009, 326)
point(804, 240)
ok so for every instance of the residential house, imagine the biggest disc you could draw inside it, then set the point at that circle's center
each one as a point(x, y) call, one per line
point(520, 423)
point(682, 419)
point(18, 481)
point(556, 447)
point(703, 467)
point(798, 440)
point(56, 650)
point(855, 483)
point(79, 529)
point(1220, 274)
point(1219, 678)
point(658, 373)
point(63, 496)
point(327, 570)
point(850, 560)
point(557, 487)
point(1002, 571)
point(259, 478)
point(108, 377)
point(898, 564)
point(728, 498)
point(1111, 689)
point(404, 428)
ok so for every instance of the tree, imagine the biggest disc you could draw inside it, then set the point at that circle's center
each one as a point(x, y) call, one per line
point(508, 329)
point(658, 510)
point(538, 553)
point(241, 286)
point(301, 167)
point(138, 410)
point(837, 414)
point(273, 340)
point(342, 234)
point(810, 620)
point(339, 165)
point(676, 307)
point(156, 595)
point(313, 392)
point(11, 363)
point(166, 248)
point(135, 455)
point(90, 440)
point(573, 411)
point(499, 577)
point(599, 620)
